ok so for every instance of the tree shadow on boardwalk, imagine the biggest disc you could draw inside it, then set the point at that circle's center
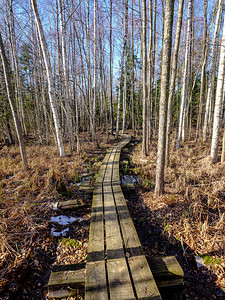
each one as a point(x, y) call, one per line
point(198, 283)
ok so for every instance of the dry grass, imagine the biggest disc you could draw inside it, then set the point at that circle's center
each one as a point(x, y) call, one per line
point(192, 210)
point(25, 195)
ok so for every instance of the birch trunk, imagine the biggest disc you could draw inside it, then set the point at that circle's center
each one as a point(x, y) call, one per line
point(111, 70)
point(203, 73)
point(16, 66)
point(12, 105)
point(219, 101)
point(65, 71)
point(95, 68)
point(173, 78)
point(166, 56)
point(51, 89)
point(186, 74)
point(144, 78)
point(223, 148)
point(211, 71)
point(121, 67)
point(132, 66)
point(35, 76)
point(125, 78)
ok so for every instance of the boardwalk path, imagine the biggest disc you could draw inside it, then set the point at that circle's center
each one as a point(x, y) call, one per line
point(116, 267)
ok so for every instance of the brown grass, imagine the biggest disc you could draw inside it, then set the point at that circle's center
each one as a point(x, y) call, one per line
point(25, 195)
point(193, 207)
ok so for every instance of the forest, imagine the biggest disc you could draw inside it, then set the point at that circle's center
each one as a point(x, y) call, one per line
point(77, 76)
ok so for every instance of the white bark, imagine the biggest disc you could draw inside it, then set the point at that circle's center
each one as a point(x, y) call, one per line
point(186, 75)
point(121, 67)
point(173, 77)
point(219, 101)
point(166, 55)
point(95, 68)
point(12, 105)
point(51, 89)
point(211, 71)
point(144, 78)
point(35, 75)
point(65, 71)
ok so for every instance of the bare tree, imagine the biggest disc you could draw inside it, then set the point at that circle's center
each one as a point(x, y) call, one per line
point(219, 101)
point(211, 71)
point(51, 88)
point(186, 74)
point(166, 56)
point(12, 105)
point(173, 77)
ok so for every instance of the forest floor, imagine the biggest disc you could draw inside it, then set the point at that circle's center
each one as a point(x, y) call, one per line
point(188, 221)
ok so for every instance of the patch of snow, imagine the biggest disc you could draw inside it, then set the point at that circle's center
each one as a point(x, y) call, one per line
point(63, 220)
point(54, 205)
point(199, 261)
point(59, 233)
point(84, 174)
point(127, 179)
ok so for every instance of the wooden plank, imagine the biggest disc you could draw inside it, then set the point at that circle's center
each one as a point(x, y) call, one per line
point(70, 204)
point(166, 271)
point(119, 280)
point(73, 279)
point(95, 269)
point(128, 187)
point(95, 282)
point(142, 276)
point(120, 286)
point(64, 293)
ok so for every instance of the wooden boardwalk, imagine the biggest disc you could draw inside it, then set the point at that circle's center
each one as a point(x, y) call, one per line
point(116, 267)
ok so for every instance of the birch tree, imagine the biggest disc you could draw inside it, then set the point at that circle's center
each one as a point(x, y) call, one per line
point(51, 89)
point(144, 77)
point(186, 73)
point(211, 71)
point(203, 73)
point(166, 55)
point(219, 101)
point(12, 105)
point(121, 66)
point(173, 77)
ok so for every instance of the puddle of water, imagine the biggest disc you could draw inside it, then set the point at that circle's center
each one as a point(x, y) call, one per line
point(9, 176)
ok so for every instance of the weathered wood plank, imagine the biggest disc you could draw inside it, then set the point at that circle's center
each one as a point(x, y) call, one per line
point(120, 286)
point(73, 279)
point(128, 187)
point(166, 271)
point(119, 280)
point(64, 293)
point(70, 204)
point(142, 276)
point(95, 281)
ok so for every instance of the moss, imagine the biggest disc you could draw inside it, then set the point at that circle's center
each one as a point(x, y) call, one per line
point(71, 243)
point(209, 260)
